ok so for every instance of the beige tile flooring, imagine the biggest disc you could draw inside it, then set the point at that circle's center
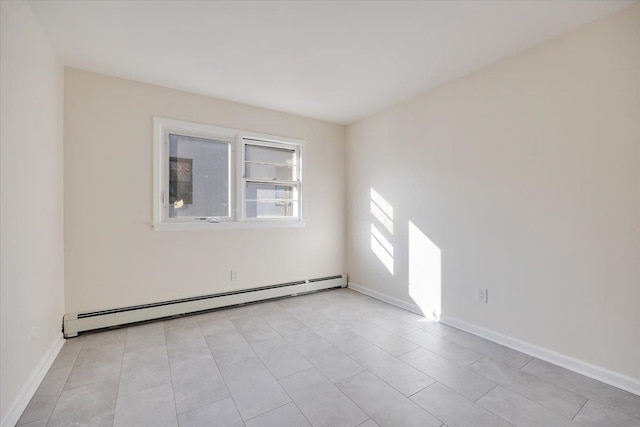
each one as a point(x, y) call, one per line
point(334, 358)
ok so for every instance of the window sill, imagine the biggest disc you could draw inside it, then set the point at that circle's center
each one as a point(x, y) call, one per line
point(226, 225)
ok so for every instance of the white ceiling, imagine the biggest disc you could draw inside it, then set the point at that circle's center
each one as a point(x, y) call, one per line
point(335, 61)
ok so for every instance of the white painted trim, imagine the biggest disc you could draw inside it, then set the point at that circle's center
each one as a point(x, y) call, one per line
point(386, 298)
point(186, 226)
point(19, 404)
point(607, 376)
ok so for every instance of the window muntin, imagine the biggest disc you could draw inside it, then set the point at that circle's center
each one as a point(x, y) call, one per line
point(207, 177)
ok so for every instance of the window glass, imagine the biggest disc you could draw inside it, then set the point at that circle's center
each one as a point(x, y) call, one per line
point(270, 163)
point(270, 200)
point(199, 183)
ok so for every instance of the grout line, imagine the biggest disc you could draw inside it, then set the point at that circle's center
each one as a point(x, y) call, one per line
point(484, 394)
point(66, 380)
point(422, 389)
point(219, 372)
point(173, 390)
point(270, 410)
point(582, 407)
point(124, 346)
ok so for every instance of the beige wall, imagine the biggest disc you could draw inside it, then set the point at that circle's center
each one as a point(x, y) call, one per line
point(526, 175)
point(32, 277)
point(112, 256)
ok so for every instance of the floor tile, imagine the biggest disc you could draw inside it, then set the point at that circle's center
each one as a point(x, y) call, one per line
point(559, 400)
point(253, 388)
point(384, 357)
point(422, 322)
point(212, 316)
point(280, 357)
point(88, 372)
point(252, 310)
point(438, 328)
point(384, 339)
point(309, 317)
point(69, 352)
point(196, 383)
point(346, 340)
point(333, 363)
point(320, 401)
point(452, 351)
point(38, 423)
point(153, 407)
point(456, 410)
point(182, 332)
point(218, 414)
point(180, 322)
point(229, 347)
point(254, 329)
point(39, 407)
point(384, 404)
point(144, 379)
point(196, 348)
point(99, 339)
point(595, 414)
point(292, 330)
point(92, 405)
point(102, 353)
point(520, 410)
point(46, 396)
point(397, 326)
point(496, 351)
point(594, 390)
point(401, 376)
point(462, 380)
point(145, 358)
point(285, 416)
point(210, 326)
point(144, 336)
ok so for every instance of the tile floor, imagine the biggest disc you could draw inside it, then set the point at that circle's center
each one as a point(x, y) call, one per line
point(334, 358)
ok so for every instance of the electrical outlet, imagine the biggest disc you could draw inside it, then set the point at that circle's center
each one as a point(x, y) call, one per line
point(483, 296)
point(234, 275)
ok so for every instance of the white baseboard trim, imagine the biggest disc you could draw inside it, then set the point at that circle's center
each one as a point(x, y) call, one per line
point(587, 369)
point(607, 376)
point(19, 404)
point(386, 298)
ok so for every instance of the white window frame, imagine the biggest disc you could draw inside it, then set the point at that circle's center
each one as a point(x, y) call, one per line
point(237, 139)
point(297, 183)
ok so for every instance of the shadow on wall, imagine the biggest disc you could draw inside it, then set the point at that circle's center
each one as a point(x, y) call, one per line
point(424, 262)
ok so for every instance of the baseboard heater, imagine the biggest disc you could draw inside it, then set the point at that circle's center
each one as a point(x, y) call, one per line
point(75, 323)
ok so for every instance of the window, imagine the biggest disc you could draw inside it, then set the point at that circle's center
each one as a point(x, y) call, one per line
point(271, 184)
point(207, 177)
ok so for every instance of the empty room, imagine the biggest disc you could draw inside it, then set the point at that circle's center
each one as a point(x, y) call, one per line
point(320, 213)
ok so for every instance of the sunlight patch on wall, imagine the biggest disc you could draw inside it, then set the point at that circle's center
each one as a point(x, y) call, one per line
point(382, 211)
point(381, 245)
point(425, 272)
point(382, 248)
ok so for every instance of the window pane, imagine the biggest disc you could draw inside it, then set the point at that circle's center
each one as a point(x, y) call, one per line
point(198, 177)
point(270, 200)
point(269, 172)
point(270, 163)
point(270, 209)
point(258, 153)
